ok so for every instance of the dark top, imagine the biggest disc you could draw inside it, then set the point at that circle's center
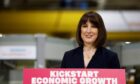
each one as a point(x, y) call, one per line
point(103, 58)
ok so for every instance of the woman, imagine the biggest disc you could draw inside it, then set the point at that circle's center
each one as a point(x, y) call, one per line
point(91, 36)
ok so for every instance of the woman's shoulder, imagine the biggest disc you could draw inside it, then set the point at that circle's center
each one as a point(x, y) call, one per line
point(71, 54)
point(107, 51)
point(111, 57)
point(74, 50)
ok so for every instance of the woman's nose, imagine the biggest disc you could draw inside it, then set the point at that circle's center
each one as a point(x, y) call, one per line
point(88, 29)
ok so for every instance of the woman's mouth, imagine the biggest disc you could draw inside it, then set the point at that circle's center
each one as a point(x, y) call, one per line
point(88, 36)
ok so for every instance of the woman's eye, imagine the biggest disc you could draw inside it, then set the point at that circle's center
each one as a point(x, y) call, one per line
point(84, 25)
point(93, 26)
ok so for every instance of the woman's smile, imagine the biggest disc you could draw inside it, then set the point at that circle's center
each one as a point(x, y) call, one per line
point(89, 33)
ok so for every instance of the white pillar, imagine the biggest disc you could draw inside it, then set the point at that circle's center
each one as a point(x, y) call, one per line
point(40, 46)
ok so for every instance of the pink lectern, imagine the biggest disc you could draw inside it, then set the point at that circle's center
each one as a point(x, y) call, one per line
point(74, 76)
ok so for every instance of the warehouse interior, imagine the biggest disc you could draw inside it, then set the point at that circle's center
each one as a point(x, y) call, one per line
point(32, 30)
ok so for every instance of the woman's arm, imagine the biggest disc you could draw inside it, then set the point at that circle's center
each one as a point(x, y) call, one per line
point(63, 63)
point(115, 61)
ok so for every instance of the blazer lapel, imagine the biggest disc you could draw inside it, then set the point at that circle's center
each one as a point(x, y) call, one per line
point(80, 57)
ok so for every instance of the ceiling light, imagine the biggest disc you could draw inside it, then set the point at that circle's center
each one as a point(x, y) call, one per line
point(127, 42)
point(1, 35)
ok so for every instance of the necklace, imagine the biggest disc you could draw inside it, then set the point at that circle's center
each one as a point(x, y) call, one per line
point(88, 54)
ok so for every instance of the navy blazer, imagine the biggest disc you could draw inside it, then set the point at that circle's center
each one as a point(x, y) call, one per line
point(103, 58)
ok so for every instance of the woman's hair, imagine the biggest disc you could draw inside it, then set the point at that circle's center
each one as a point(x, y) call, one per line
point(96, 20)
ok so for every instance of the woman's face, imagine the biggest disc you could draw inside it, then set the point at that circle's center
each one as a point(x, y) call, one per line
point(89, 33)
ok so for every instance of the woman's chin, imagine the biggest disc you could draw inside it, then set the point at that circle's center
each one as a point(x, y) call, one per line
point(88, 42)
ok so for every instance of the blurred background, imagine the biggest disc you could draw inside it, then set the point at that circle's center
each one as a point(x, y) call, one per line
point(36, 33)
